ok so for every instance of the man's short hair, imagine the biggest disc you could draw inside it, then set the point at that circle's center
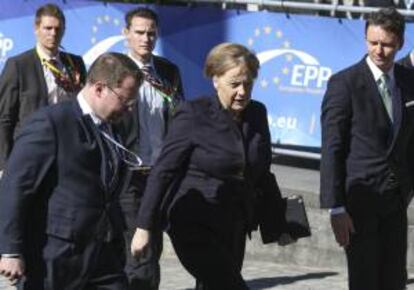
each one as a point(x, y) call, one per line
point(388, 19)
point(50, 10)
point(113, 68)
point(140, 12)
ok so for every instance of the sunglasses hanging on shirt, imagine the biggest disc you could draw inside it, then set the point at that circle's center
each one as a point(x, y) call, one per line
point(132, 160)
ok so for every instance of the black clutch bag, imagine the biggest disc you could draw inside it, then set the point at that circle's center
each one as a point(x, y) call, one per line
point(297, 224)
point(296, 218)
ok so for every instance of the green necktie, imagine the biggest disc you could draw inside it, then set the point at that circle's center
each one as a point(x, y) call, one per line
point(385, 92)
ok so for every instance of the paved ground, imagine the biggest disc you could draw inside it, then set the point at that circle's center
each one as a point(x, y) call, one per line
point(261, 275)
point(266, 276)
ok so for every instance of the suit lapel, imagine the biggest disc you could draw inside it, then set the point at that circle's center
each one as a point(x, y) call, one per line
point(376, 98)
point(91, 138)
point(398, 105)
point(370, 89)
point(40, 76)
point(165, 73)
point(161, 72)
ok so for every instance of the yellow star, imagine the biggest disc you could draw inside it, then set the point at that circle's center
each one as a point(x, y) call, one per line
point(267, 29)
point(286, 44)
point(250, 41)
point(107, 18)
point(257, 32)
point(285, 70)
point(93, 40)
point(279, 34)
point(276, 80)
point(116, 21)
point(99, 20)
point(289, 57)
point(94, 29)
point(264, 83)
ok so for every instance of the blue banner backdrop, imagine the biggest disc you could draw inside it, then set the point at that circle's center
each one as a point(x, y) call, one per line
point(298, 54)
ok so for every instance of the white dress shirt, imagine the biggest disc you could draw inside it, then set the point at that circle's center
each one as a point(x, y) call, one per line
point(151, 120)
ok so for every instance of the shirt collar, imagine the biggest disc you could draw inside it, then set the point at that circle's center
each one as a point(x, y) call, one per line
point(140, 64)
point(87, 109)
point(44, 56)
point(377, 72)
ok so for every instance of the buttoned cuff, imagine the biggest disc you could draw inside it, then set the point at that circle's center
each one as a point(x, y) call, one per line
point(10, 255)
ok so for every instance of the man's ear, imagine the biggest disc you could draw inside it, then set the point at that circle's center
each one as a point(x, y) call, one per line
point(125, 31)
point(98, 88)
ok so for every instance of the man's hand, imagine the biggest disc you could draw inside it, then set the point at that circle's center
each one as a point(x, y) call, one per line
point(139, 242)
point(12, 269)
point(342, 227)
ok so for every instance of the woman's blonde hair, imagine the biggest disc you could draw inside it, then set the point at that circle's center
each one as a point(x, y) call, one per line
point(226, 56)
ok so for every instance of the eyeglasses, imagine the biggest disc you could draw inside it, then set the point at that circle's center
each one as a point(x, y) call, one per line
point(125, 102)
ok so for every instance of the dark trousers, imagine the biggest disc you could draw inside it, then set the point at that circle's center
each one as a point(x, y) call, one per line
point(209, 240)
point(144, 272)
point(65, 265)
point(378, 250)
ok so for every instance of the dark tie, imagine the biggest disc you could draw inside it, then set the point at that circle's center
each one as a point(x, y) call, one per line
point(54, 67)
point(151, 77)
point(110, 156)
point(62, 79)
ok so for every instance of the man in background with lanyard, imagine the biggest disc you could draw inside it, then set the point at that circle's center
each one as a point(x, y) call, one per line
point(159, 94)
point(38, 77)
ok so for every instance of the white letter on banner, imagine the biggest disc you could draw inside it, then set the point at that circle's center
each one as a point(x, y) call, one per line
point(291, 123)
point(281, 122)
point(297, 74)
point(6, 44)
point(324, 75)
point(311, 73)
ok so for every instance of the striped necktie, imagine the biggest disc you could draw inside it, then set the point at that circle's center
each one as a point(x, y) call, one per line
point(383, 87)
point(151, 77)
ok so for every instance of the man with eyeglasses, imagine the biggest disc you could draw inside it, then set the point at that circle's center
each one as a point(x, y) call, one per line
point(41, 76)
point(61, 226)
point(158, 96)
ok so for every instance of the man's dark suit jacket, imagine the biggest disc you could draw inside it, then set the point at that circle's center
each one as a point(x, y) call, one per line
point(23, 90)
point(53, 185)
point(362, 151)
point(207, 152)
point(406, 61)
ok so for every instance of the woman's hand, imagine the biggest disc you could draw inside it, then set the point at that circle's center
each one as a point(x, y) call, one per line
point(286, 239)
point(139, 242)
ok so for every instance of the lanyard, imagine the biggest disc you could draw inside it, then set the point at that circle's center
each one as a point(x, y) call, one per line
point(53, 68)
point(133, 164)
